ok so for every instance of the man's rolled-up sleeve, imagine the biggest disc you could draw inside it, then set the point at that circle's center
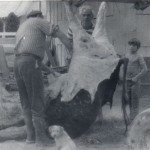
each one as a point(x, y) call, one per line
point(45, 27)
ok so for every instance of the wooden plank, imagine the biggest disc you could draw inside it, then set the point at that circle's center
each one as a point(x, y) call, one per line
point(7, 41)
point(3, 63)
point(145, 84)
point(119, 1)
point(13, 133)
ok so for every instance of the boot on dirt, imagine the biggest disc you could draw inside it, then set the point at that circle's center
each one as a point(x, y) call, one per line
point(40, 132)
point(29, 128)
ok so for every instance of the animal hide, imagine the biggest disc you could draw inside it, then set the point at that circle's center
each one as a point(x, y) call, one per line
point(94, 58)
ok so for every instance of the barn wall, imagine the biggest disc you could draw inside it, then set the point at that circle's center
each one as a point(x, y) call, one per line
point(123, 23)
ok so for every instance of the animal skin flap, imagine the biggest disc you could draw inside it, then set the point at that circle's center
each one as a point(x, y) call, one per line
point(94, 58)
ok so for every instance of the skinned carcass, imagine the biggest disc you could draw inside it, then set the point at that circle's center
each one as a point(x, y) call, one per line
point(91, 80)
point(94, 58)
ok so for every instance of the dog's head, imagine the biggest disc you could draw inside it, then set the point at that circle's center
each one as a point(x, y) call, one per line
point(56, 131)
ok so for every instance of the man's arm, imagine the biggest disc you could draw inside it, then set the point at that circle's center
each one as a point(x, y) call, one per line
point(143, 67)
point(48, 52)
point(64, 39)
point(53, 30)
point(47, 69)
point(56, 32)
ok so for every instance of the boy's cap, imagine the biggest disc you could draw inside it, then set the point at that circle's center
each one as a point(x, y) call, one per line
point(135, 41)
point(33, 13)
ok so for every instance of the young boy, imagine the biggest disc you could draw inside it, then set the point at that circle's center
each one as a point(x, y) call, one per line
point(136, 68)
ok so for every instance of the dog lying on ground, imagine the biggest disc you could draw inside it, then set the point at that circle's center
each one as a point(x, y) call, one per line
point(62, 139)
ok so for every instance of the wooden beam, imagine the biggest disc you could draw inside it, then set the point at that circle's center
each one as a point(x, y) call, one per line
point(118, 1)
point(121, 1)
point(3, 63)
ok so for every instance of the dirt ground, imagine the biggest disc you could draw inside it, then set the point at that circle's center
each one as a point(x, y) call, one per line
point(22, 146)
point(110, 135)
point(107, 136)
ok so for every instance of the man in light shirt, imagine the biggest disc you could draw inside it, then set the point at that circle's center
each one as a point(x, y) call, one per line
point(29, 51)
point(86, 19)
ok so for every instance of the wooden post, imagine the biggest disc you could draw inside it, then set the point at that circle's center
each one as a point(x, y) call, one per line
point(3, 63)
point(40, 5)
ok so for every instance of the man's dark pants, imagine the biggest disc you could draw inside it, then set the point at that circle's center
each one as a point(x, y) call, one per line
point(133, 89)
point(31, 90)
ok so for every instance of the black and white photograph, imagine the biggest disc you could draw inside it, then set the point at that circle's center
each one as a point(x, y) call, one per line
point(75, 74)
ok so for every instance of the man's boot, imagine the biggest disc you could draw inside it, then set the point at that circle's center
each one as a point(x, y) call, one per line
point(29, 128)
point(40, 132)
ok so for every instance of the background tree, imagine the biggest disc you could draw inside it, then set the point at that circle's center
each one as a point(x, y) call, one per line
point(12, 23)
point(1, 25)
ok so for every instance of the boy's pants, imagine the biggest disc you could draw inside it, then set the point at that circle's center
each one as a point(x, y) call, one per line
point(133, 89)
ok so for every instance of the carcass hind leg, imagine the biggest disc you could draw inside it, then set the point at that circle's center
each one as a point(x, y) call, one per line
point(70, 11)
point(100, 22)
point(79, 3)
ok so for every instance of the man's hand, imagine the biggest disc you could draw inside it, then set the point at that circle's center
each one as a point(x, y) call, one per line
point(56, 74)
point(134, 79)
point(55, 29)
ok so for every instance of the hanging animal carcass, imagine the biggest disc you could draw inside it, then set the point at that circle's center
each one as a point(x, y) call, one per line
point(90, 81)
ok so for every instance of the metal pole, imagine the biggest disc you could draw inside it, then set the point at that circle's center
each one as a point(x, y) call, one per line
point(40, 5)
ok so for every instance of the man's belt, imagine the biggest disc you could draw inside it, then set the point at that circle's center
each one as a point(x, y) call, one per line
point(28, 54)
